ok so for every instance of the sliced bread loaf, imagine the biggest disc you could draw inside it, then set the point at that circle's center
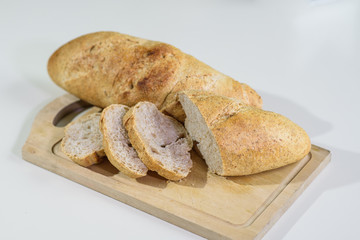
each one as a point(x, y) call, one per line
point(236, 139)
point(161, 142)
point(83, 140)
point(117, 146)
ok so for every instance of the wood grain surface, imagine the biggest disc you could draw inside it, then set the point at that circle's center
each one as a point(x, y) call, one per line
point(209, 205)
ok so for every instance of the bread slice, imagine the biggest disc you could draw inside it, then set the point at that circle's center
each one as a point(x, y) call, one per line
point(161, 142)
point(83, 140)
point(236, 139)
point(116, 142)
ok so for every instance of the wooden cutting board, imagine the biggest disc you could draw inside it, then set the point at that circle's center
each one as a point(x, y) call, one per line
point(209, 205)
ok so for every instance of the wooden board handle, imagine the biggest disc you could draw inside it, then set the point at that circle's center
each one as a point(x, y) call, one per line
point(50, 120)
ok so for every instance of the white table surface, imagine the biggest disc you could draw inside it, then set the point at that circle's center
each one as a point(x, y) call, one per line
point(302, 56)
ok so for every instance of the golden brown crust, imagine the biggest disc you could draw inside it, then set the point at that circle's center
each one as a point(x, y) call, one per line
point(109, 150)
point(268, 139)
point(143, 151)
point(87, 161)
point(250, 140)
point(107, 67)
point(196, 75)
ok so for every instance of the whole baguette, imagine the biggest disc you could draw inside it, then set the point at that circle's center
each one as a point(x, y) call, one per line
point(104, 68)
point(236, 139)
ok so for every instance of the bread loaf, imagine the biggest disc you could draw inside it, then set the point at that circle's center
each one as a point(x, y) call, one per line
point(236, 139)
point(116, 142)
point(161, 142)
point(104, 68)
point(83, 140)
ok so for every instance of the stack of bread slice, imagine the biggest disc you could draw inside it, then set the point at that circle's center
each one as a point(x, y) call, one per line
point(134, 140)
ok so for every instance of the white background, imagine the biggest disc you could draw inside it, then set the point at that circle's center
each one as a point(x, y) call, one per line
point(302, 56)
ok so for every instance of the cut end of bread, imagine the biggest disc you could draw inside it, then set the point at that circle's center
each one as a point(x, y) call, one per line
point(161, 142)
point(117, 146)
point(83, 140)
point(199, 132)
point(235, 139)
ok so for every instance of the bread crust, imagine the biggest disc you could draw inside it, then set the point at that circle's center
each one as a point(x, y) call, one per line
point(250, 140)
point(109, 149)
point(144, 152)
point(104, 68)
point(87, 161)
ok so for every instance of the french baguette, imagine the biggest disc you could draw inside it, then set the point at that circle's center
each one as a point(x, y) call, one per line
point(105, 68)
point(237, 139)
